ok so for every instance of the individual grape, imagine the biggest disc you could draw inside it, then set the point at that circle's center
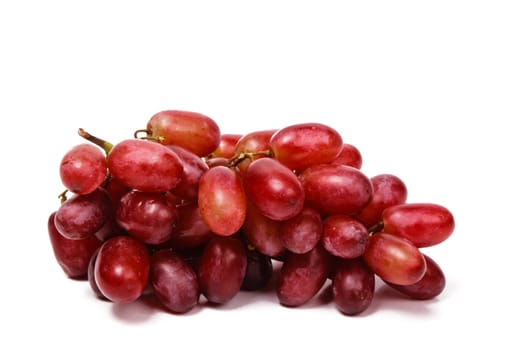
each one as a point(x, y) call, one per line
point(145, 165)
point(428, 287)
point(344, 236)
point(262, 232)
point(173, 281)
point(389, 190)
point(353, 286)
point(301, 233)
point(150, 217)
point(83, 169)
point(192, 169)
point(83, 215)
point(91, 276)
point(257, 141)
point(424, 224)
point(72, 255)
point(350, 156)
point(221, 200)
point(394, 259)
point(300, 146)
point(302, 276)
point(222, 269)
point(191, 231)
point(196, 132)
point(336, 189)
point(226, 147)
point(273, 189)
point(259, 270)
point(122, 269)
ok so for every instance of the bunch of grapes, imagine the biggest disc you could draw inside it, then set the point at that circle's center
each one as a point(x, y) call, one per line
point(181, 211)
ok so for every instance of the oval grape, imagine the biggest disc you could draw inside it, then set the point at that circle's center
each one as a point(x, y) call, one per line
point(300, 146)
point(424, 224)
point(394, 259)
point(145, 166)
point(353, 286)
point(221, 200)
point(195, 132)
point(83, 169)
point(344, 236)
point(335, 189)
point(273, 189)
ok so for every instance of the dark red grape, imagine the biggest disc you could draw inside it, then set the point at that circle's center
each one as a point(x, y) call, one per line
point(301, 233)
point(150, 217)
point(259, 270)
point(72, 255)
point(196, 132)
point(273, 189)
point(222, 268)
point(344, 236)
point(353, 286)
point(394, 259)
point(428, 287)
point(173, 281)
point(302, 276)
point(145, 165)
point(300, 146)
point(83, 169)
point(336, 189)
point(424, 224)
point(191, 231)
point(122, 269)
point(83, 215)
point(263, 232)
point(91, 276)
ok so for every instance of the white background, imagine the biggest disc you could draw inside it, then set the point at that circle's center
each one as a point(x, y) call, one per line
point(430, 91)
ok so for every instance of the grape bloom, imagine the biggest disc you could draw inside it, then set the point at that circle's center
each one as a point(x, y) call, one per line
point(193, 216)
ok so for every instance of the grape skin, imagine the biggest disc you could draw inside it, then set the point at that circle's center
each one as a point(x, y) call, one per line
point(83, 169)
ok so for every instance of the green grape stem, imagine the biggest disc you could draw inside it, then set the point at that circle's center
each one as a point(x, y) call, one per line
point(105, 145)
point(238, 158)
point(375, 228)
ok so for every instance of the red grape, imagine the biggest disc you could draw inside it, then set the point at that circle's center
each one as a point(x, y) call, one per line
point(91, 276)
point(344, 236)
point(150, 217)
point(428, 287)
point(262, 232)
point(221, 200)
point(72, 255)
point(194, 131)
point(394, 259)
point(83, 169)
point(300, 146)
point(122, 269)
point(173, 281)
point(83, 215)
point(424, 224)
point(301, 233)
point(192, 169)
point(302, 276)
point(191, 231)
point(145, 166)
point(222, 268)
point(259, 270)
point(389, 190)
point(336, 189)
point(273, 189)
point(353, 286)
point(226, 147)
point(350, 156)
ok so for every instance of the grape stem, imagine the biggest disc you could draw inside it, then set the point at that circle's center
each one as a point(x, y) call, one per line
point(105, 145)
point(238, 158)
point(62, 196)
point(148, 136)
point(375, 228)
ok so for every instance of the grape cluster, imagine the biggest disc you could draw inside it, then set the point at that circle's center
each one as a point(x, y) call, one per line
point(181, 210)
